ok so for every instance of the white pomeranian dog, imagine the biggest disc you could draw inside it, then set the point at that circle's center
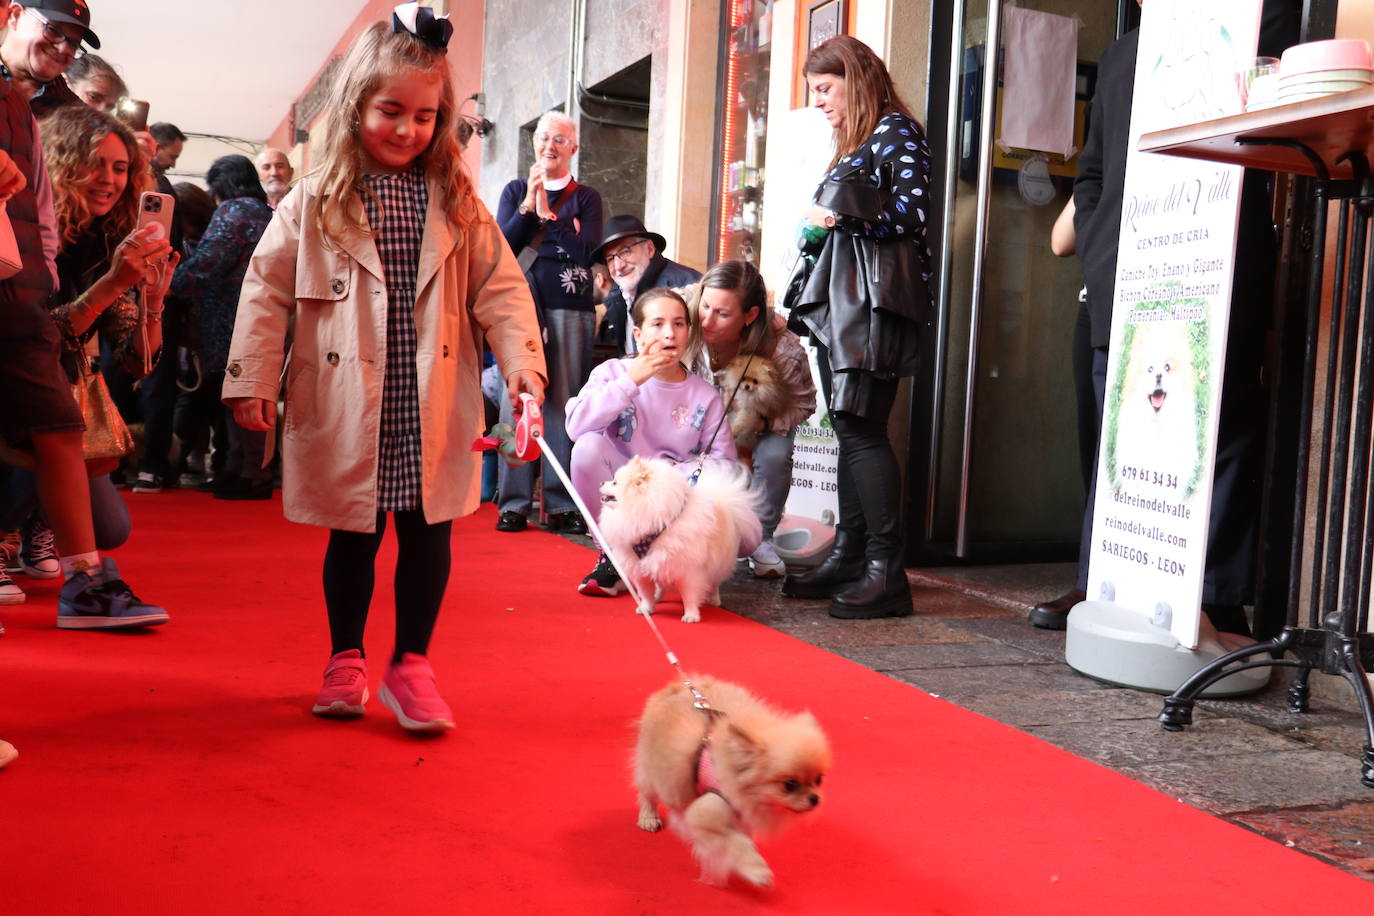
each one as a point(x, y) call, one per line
point(669, 534)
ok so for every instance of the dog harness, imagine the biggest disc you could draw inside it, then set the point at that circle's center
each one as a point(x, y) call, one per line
point(706, 766)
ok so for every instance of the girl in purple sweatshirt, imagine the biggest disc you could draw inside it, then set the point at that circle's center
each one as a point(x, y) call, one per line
point(647, 405)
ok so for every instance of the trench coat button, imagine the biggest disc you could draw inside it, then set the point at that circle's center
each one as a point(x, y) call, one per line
point(445, 351)
point(235, 370)
point(337, 286)
point(332, 358)
point(529, 345)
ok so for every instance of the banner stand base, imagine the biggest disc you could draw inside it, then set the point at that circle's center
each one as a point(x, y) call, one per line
point(1110, 643)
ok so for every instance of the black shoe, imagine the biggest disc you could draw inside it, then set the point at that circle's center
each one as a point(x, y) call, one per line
point(221, 482)
point(512, 521)
point(247, 488)
point(844, 565)
point(1054, 614)
point(1227, 618)
point(566, 523)
point(882, 592)
point(603, 581)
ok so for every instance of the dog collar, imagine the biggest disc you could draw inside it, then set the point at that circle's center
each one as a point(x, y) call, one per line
point(641, 546)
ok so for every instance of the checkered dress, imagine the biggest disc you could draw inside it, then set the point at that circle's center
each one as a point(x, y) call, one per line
point(397, 225)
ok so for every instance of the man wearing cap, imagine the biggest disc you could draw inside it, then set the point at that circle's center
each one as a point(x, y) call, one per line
point(43, 38)
point(634, 257)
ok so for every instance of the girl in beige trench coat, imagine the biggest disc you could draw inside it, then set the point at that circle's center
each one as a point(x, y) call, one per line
point(392, 271)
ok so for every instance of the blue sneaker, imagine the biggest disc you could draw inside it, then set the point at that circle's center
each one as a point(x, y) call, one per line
point(100, 600)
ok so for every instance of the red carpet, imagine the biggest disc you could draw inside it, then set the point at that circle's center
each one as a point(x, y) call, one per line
point(179, 770)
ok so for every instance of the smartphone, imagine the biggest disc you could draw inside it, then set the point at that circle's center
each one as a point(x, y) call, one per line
point(134, 112)
point(154, 207)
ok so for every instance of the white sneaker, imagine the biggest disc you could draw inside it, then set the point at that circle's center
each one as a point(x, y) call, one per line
point(765, 562)
point(9, 592)
point(39, 555)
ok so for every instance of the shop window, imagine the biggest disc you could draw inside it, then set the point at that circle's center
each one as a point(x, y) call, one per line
point(742, 126)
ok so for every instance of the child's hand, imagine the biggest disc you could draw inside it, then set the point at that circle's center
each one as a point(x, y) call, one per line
point(650, 361)
point(257, 414)
point(524, 381)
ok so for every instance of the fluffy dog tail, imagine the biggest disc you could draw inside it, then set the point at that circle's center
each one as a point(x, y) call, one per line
point(729, 488)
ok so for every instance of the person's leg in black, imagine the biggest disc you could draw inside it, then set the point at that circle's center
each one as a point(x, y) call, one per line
point(845, 562)
point(1054, 614)
point(1228, 582)
point(423, 560)
point(157, 394)
point(883, 590)
point(349, 577)
point(1089, 407)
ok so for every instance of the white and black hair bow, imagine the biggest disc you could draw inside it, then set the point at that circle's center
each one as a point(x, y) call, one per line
point(421, 22)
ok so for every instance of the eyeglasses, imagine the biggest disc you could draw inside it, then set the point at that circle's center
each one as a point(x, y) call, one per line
point(557, 140)
point(624, 253)
point(56, 36)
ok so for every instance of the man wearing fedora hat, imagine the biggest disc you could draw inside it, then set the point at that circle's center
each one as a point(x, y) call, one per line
point(634, 257)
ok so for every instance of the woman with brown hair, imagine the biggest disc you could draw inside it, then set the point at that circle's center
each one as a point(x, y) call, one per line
point(864, 303)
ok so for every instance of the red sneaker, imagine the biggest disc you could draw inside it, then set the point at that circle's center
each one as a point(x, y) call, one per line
point(345, 685)
point(410, 692)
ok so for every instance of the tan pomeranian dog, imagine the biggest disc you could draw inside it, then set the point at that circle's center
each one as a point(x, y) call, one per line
point(671, 535)
point(758, 396)
point(741, 771)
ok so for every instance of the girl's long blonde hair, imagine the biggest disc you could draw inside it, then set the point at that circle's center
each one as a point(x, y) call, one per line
point(71, 136)
point(378, 54)
point(869, 92)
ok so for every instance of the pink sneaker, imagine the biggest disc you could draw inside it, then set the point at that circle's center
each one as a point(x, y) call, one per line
point(409, 691)
point(345, 685)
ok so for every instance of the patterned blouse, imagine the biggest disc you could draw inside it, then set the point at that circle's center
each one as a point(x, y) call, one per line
point(212, 276)
point(79, 265)
point(396, 212)
point(897, 147)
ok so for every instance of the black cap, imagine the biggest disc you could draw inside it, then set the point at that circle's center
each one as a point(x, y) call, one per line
point(625, 226)
point(75, 12)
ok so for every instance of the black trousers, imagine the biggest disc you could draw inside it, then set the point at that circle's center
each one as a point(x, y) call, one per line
point(868, 479)
point(422, 568)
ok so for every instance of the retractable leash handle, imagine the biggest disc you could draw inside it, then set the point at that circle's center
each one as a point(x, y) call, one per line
point(529, 428)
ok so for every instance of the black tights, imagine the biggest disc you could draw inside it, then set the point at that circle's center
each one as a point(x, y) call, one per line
point(422, 567)
point(868, 479)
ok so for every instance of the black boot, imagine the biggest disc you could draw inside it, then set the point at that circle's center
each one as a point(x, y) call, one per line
point(882, 592)
point(844, 565)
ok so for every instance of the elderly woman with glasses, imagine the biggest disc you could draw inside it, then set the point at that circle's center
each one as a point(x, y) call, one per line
point(553, 224)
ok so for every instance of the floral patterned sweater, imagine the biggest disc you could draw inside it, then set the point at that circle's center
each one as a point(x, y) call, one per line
point(212, 275)
point(561, 276)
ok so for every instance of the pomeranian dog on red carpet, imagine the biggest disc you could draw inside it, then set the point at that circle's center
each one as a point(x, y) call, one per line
point(672, 535)
point(726, 777)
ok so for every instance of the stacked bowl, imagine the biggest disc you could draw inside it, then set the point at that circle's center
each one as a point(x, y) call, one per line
point(1318, 68)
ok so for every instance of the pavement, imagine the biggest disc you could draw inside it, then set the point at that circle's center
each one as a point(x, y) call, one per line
point(1291, 777)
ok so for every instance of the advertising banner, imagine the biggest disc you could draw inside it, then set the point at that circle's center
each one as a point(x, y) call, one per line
point(1169, 320)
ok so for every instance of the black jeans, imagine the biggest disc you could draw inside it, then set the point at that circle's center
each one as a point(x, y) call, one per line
point(422, 569)
point(868, 480)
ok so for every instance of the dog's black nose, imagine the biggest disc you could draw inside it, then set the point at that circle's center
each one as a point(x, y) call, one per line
point(815, 800)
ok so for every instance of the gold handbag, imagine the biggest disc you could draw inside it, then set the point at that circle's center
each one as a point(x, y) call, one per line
point(107, 437)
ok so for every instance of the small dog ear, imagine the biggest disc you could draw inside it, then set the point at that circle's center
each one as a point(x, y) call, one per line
point(744, 751)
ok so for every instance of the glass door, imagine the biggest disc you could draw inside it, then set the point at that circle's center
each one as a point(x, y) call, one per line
point(1000, 478)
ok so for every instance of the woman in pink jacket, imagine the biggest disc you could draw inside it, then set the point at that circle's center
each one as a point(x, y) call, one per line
point(393, 271)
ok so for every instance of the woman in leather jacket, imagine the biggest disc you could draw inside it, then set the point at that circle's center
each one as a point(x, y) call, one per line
point(864, 303)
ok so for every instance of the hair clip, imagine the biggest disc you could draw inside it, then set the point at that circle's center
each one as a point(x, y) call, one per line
point(421, 22)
